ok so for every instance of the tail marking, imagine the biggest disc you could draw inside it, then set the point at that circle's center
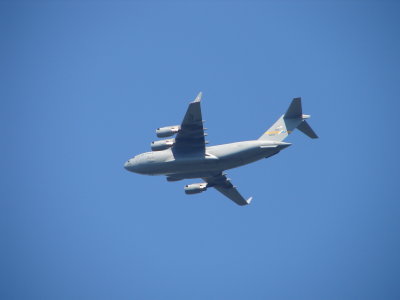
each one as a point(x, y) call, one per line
point(292, 119)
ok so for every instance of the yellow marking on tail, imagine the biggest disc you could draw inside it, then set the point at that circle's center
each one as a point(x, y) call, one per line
point(277, 132)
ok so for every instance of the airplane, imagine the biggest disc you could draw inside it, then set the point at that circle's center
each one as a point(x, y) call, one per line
point(186, 156)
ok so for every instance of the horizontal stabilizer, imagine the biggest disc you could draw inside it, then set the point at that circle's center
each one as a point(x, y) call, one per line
point(307, 130)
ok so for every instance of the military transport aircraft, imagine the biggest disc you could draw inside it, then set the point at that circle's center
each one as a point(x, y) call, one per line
point(186, 156)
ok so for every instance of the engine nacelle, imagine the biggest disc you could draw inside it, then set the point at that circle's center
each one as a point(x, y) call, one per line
point(162, 145)
point(195, 188)
point(167, 131)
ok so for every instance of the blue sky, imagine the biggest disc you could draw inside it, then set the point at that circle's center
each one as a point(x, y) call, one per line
point(85, 84)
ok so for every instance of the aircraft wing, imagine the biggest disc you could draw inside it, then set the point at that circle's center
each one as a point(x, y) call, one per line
point(223, 185)
point(190, 137)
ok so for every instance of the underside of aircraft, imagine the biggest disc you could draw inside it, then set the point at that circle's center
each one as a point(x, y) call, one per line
point(186, 156)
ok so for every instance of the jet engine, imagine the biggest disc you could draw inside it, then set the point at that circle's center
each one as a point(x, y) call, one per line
point(162, 145)
point(167, 131)
point(195, 188)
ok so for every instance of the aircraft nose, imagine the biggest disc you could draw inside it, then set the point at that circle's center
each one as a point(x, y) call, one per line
point(131, 165)
point(127, 165)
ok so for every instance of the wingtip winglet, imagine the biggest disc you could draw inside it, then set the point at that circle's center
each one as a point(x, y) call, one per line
point(198, 98)
point(249, 200)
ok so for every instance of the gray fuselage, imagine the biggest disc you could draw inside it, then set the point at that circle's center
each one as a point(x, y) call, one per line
point(216, 159)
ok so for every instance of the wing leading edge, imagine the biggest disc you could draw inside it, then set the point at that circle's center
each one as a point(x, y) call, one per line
point(223, 185)
point(190, 137)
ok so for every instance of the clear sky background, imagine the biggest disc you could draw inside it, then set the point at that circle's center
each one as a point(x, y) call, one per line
point(85, 84)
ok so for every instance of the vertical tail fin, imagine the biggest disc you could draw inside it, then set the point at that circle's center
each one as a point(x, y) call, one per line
point(292, 119)
point(295, 110)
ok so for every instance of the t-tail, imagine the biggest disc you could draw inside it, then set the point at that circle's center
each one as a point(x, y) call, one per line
point(292, 119)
